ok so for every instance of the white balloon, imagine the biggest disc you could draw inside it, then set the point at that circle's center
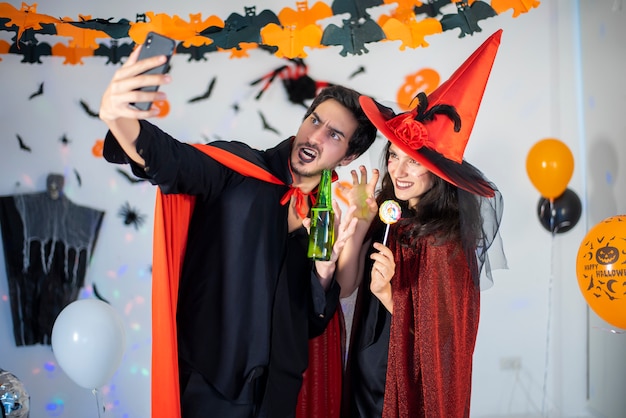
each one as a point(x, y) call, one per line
point(88, 341)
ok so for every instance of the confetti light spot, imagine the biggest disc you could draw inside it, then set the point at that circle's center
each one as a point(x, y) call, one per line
point(55, 407)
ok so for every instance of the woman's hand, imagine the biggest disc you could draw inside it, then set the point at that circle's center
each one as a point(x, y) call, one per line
point(361, 194)
point(383, 270)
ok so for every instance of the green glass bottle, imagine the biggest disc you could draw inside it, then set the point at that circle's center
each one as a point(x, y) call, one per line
point(322, 236)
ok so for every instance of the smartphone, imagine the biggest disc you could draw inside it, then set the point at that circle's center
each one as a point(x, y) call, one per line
point(154, 45)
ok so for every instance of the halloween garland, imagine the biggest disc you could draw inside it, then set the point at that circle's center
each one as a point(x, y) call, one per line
point(285, 34)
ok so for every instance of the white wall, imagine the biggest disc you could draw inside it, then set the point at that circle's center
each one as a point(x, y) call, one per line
point(534, 313)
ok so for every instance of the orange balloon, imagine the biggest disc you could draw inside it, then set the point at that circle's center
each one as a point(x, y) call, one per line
point(601, 270)
point(550, 165)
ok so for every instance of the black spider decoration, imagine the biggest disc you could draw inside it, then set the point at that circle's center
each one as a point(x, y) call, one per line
point(131, 216)
point(296, 80)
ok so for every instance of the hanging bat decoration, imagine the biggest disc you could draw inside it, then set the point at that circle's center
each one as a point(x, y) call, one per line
point(131, 216)
point(39, 92)
point(88, 110)
point(467, 17)
point(115, 30)
point(98, 295)
point(240, 29)
point(267, 126)
point(115, 52)
point(23, 146)
point(358, 71)
point(79, 180)
point(131, 179)
point(431, 8)
point(206, 94)
point(296, 81)
point(357, 30)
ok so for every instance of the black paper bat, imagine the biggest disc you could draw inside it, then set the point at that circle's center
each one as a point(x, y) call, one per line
point(356, 8)
point(78, 178)
point(238, 28)
point(204, 95)
point(115, 52)
point(88, 110)
point(31, 52)
point(23, 146)
point(353, 36)
point(115, 30)
point(196, 53)
point(358, 71)
point(431, 8)
point(266, 125)
point(98, 295)
point(39, 92)
point(131, 179)
point(467, 17)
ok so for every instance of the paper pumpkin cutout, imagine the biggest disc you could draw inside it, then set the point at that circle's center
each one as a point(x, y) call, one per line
point(98, 148)
point(163, 106)
point(425, 80)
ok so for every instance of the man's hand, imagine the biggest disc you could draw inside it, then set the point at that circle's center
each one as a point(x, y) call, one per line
point(122, 89)
point(343, 230)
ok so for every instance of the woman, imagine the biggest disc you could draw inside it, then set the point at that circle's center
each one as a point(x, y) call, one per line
point(417, 311)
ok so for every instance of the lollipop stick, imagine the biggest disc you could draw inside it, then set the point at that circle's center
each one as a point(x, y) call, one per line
point(386, 233)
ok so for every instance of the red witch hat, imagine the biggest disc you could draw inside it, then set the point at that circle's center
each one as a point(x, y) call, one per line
point(436, 132)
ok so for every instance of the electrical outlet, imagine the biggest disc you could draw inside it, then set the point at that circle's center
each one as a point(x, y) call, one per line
point(510, 363)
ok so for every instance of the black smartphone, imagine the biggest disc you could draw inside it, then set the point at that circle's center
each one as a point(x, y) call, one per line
point(154, 45)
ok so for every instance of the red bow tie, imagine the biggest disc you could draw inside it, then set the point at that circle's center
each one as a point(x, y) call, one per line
point(302, 200)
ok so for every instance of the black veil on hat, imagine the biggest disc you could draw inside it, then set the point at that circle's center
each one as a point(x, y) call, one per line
point(436, 132)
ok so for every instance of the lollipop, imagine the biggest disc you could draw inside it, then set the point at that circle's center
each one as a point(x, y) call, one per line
point(389, 212)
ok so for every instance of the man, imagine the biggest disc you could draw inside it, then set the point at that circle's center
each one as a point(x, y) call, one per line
point(248, 298)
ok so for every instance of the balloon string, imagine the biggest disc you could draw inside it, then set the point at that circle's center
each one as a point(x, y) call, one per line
point(95, 393)
point(548, 326)
point(552, 216)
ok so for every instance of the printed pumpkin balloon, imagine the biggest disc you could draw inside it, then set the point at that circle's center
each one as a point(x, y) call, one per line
point(601, 270)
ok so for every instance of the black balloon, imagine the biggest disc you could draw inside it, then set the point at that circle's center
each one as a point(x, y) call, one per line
point(562, 214)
